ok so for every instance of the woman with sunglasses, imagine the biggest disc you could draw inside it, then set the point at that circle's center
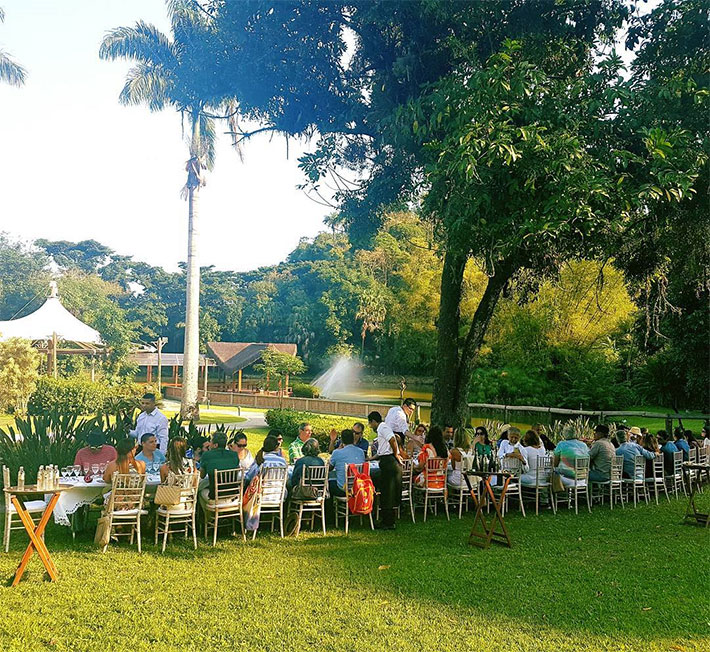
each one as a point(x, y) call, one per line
point(239, 446)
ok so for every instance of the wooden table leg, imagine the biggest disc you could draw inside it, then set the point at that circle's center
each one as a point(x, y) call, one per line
point(489, 532)
point(35, 534)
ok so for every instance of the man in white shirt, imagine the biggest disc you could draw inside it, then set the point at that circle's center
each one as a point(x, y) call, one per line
point(512, 447)
point(153, 421)
point(390, 478)
point(398, 419)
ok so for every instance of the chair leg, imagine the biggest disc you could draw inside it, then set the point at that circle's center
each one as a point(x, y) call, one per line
point(520, 498)
point(322, 515)
point(446, 507)
point(411, 507)
point(138, 531)
point(300, 516)
point(347, 521)
point(214, 536)
point(426, 504)
point(157, 528)
point(165, 534)
point(281, 519)
point(589, 504)
point(372, 523)
point(6, 531)
point(194, 531)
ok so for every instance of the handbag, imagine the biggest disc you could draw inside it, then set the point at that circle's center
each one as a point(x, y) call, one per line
point(167, 495)
point(557, 485)
point(103, 531)
point(305, 492)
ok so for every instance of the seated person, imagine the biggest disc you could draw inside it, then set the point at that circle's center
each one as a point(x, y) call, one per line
point(601, 455)
point(692, 441)
point(434, 446)
point(705, 435)
point(449, 436)
point(360, 441)
point(218, 458)
point(650, 443)
point(339, 460)
point(681, 444)
point(482, 444)
point(97, 451)
point(150, 453)
point(668, 448)
point(176, 461)
point(199, 446)
point(533, 451)
point(310, 452)
point(630, 450)
point(511, 446)
point(239, 446)
point(125, 461)
point(305, 431)
point(461, 446)
point(416, 439)
point(566, 452)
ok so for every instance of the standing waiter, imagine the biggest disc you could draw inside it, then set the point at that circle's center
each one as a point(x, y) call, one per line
point(398, 419)
point(390, 480)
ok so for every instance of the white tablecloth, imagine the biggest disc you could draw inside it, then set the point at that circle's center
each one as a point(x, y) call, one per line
point(82, 493)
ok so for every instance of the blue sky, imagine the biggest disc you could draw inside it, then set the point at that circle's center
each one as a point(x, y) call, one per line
point(76, 165)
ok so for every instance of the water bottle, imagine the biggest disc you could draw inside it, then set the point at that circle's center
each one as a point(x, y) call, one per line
point(21, 479)
point(5, 477)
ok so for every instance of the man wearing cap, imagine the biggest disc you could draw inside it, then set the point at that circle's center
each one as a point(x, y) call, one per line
point(398, 419)
point(601, 454)
point(97, 451)
point(152, 420)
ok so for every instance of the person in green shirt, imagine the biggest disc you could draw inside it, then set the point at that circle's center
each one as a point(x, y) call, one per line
point(482, 444)
point(218, 458)
point(295, 450)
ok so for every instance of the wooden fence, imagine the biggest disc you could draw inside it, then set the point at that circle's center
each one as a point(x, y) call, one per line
point(361, 410)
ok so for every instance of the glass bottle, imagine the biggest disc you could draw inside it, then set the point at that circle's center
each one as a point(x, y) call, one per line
point(21, 478)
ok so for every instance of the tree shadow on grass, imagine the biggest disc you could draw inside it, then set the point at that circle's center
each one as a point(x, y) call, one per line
point(638, 573)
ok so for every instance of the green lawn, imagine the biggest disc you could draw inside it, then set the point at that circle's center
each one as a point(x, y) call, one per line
point(622, 580)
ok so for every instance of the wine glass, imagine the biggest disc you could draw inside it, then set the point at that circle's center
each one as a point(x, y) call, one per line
point(65, 472)
point(102, 468)
point(95, 469)
point(77, 470)
point(87, 468)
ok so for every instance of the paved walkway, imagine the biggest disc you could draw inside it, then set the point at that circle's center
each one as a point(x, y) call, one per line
point(253, 419)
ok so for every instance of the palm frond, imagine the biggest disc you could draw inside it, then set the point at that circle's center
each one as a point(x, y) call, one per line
point(147, 83)
point(207, 141)
point(144, 42)
point(11, 72)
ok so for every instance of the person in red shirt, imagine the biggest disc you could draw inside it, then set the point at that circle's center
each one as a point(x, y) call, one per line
point(97, 451)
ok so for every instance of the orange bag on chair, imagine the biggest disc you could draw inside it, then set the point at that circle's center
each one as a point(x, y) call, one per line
point(362, 497)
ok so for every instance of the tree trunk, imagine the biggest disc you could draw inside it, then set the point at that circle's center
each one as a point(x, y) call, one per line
point(447, 350)
point(190, 406)
point(455, 361)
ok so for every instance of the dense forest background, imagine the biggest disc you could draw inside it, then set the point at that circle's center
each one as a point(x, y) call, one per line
point(585, 336)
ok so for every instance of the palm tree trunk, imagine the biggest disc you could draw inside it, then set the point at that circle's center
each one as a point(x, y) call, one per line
point(189, 406)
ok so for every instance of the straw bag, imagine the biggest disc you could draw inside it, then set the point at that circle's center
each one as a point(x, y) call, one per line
point(103, 531)
point(167, 495)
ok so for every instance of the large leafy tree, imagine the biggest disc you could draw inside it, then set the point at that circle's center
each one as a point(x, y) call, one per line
point(170, 73)
point(11, 72)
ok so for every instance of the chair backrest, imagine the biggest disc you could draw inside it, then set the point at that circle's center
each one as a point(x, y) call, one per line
point(678, 463)
point(543, 469)
point(658, 466)
point(406, 475)
point(617, 469)
point(228, 484)
point(350, 477)
point(273, 485)
point(639, 468)
point(703, 455)
point(466, 463)
point(315, 476)
point(512, 464)
point(127, 491)
point(693, 455)
point(435, 472)
point(581, 468)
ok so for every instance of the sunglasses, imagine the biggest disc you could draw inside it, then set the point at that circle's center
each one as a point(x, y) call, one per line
point(241, 445)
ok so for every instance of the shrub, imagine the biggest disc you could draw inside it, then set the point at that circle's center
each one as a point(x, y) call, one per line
point(286, 421)
point(304, 390)
point(81, 396)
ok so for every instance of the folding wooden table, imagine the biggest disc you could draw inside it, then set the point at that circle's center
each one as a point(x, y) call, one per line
point(35, 531)
point(489, 531)
point(691, 511)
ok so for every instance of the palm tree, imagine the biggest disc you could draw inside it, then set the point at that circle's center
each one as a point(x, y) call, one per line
point(168, 73)
point(10, 72)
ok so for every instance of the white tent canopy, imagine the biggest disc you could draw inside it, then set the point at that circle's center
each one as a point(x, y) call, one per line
point(52, 317)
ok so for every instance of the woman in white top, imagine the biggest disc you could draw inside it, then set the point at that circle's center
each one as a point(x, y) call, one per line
point(533, 451)
point(461, 446)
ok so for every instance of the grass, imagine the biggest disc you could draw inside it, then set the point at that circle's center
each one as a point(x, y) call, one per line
point(621, 580)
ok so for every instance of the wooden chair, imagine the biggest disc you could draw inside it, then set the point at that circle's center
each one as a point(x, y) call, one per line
point(316, 477)
point(637, 484)
point(227, 503)
point(434, 485)
point(543, 483)
point(675, 478)
point(273, 496)
point(657, 481)
point(515, 467)
point(580, 485)
point(341, 502)
point(125, 506)
point(180, 517)
point(460, 496)
point(12, 520)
